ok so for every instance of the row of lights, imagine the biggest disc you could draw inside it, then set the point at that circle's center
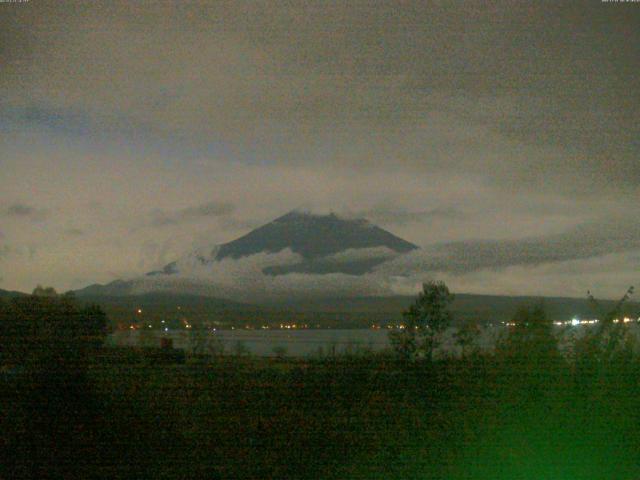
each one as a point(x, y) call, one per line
point(286, 326)
point(139, 310)
point(574, 322)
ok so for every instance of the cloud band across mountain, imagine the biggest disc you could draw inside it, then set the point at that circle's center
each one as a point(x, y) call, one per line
point(285, 259)
point(615, 235)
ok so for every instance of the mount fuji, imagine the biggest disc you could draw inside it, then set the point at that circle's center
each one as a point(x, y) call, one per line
point(326, 251)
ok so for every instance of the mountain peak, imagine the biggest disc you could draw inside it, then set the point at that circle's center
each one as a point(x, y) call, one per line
point(313, 236)
point(311, 243)
point(299, 215)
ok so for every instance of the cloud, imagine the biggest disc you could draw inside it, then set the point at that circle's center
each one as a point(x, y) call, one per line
point(23, 252)
point(207, 210)
point(607, 276)
point(595, 239)
point(450, 123)
point(243, 279)
point(356, 254)
point(425, 86)
point(602, 256)
point(74, 232)
point(389, 215)
point(21, 210)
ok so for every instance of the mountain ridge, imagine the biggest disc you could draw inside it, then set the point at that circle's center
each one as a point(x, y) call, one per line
point(294, 243)
point(312, 236)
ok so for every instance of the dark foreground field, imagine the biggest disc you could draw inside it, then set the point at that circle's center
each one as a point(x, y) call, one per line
point(358, 417)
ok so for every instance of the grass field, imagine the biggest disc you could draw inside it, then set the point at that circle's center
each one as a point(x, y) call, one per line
point(347, 417)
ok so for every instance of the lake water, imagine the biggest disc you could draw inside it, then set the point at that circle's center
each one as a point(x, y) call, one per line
point(301, 343)
point(298, 343)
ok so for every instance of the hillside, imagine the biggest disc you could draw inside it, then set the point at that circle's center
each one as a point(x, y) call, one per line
point(10, 293)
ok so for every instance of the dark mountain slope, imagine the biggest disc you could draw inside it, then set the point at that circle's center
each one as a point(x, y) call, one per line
point(313, 236)
point(10, 294)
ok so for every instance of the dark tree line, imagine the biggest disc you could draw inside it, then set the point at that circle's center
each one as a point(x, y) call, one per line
point(47, 342)
point(49, 331)
point(531, 336)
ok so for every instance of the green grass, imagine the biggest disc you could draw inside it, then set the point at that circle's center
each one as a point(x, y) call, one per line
point(359, 417)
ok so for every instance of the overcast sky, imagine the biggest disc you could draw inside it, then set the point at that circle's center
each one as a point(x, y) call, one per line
point(502, 137)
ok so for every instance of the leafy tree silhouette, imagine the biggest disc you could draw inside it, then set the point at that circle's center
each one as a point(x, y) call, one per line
point(424, 321)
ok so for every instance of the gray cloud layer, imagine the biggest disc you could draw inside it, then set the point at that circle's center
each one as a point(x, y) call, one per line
point(282, 81)
point(610, 236)
point(446, 122)
point(563, 264)
point(389, 215)
point(206, 210)
point(21, 210)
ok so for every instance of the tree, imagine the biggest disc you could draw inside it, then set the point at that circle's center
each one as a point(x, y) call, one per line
point(47, 331)
point(241, 348)
point(607, 317)
point(198, 339)
point(530, 342)
point(466, 337)
point(203, 343)
point(96, 325)
point(46, 339)
point(41, 291)
point(147, 336)
point(215, 345)
point(280, 351)
point(611, 337)
point(424, 321)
